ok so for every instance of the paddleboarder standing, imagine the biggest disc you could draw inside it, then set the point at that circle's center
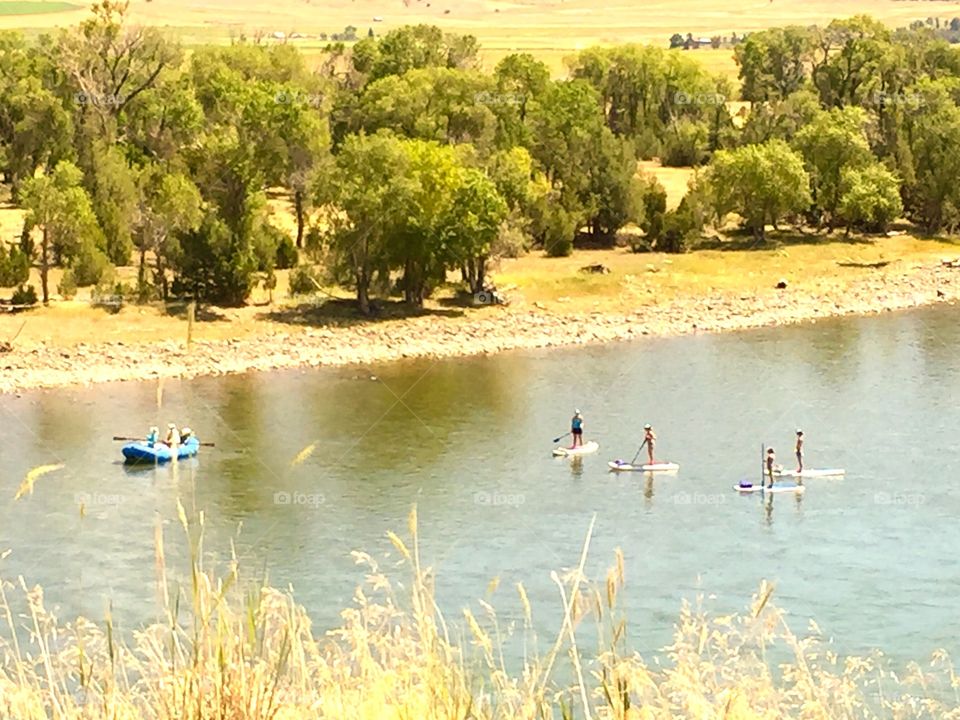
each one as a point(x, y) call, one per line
point(771, 465)
point(799, 451)
point(576, 428)
point(650, 440)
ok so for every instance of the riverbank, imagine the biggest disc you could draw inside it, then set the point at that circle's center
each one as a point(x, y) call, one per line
point(552, 304)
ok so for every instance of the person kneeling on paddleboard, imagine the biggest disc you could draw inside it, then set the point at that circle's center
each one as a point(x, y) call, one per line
point(771, 465)
point(576, 428)
point(799, 451)
point(650, 440)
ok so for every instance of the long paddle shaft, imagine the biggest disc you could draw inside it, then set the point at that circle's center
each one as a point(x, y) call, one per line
point(133, 439)
point(638, 452)
point(558, 439)
point(763, 465)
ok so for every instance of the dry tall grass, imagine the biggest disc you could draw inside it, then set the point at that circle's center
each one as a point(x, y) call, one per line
point(226, 654)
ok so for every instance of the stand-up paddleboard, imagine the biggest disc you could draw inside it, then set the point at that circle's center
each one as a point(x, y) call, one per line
point(811, 473)
point(746, 487)
point(585, 449)
point(624, 466)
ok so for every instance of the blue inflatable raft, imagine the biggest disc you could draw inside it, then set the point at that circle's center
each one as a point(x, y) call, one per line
point(141, 452)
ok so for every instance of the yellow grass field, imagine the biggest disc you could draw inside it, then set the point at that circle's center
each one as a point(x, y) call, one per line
point(551, 29)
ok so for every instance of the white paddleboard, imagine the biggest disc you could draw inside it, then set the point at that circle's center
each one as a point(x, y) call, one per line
point(585, 449)
point(810, 473)
point(624, 466)
point(775, 489)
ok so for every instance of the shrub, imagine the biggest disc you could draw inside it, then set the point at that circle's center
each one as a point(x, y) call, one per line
point(655, 207)
point(686, 143)
point(560, 229)
point(304, 280)
point(14, 267)
point(25, 295)
point(287, 254)
point(67, 287)
point(91, 266)
point(680, 228)
point(511, 240)
point(217, 265)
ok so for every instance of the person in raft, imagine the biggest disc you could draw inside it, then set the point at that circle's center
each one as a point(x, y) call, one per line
point(799, 451)
point(185, 434)
point(173, 435)
point(153, 437)
point(650, 440)
point(771, 465)
point(576, 428)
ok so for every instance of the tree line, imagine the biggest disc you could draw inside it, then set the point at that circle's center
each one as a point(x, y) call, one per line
point(403, 160)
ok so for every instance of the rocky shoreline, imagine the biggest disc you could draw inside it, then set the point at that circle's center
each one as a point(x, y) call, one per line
point(487, 331)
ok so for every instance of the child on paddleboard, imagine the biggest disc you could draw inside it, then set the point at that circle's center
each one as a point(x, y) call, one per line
point(650, 440)
point(799, 451)
point(576, 428)
point(771, 465)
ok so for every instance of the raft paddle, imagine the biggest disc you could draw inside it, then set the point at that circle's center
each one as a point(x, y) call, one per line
point(133, 439)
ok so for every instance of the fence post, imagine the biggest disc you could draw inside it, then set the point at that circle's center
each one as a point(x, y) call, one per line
point(191, 314)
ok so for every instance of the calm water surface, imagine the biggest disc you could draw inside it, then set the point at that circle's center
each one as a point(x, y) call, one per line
point(872, 557)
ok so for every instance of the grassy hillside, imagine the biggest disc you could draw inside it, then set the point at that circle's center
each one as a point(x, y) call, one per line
point(26, 7)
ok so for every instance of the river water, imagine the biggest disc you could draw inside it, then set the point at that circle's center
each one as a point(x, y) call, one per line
point(872, 557)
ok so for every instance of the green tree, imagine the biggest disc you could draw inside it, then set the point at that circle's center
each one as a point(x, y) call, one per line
point(165, 121)
point(835, 140)
point(40, 130)
point(216, 263)
point(109, 64)
point(369, 191)
point(559, 229)
point(169, 206)
point(450, 106)
point(414, 47)
point(932, 131)
point(615, 192)
point(14, 266)
point(60, 208)
point(416, 244)
point(869, 198)
point(847, 58)
point(566, 126)
point(654, 197)
point(761, 183)
point(521, 79)
point(471, 226)
point(113, 189)
point(774, 63)
point(780, 119)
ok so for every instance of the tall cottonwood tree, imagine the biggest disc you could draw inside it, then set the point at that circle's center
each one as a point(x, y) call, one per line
point(59, 207)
